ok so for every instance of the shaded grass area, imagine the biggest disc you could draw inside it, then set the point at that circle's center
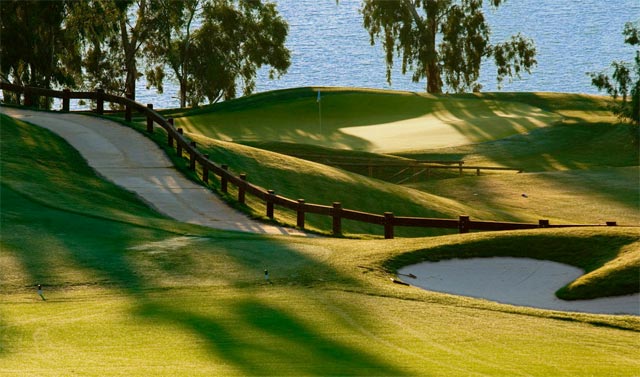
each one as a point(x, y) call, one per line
point(385, 167)
point(39, 165)
point(139, 295)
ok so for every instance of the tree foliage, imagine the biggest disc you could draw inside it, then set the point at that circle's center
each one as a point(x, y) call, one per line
point(208, 45)
point(36, 47)
point(444, 41)
point(113, 33)
point(232, 41)
point(624, 83)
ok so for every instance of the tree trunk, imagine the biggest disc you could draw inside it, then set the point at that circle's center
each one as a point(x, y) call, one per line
point(129, 59)
point(428, 28)
point(183, 93)
point(130, 83)
point(434, 80)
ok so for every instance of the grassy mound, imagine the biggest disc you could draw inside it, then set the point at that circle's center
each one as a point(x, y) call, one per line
point(366, 120)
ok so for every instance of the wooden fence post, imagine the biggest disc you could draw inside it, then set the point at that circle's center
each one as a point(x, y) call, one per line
point(178, 145)
point(543, 223)
point(149, 119)
point(388, 225)
point(337, 218)
point(460, 167)
point(242, 189)
point(28, 99)
point(205, 170)
point(300, 219)
point(463, 224)
point(100, 101)
point(223, 179)
point(66, 100)
point(270, 199)
point(127, 109)
point(192, 156)
point(169, 136)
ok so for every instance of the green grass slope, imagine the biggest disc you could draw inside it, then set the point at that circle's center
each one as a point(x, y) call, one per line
point(131, 293)
point(577, 196)
point(585, 164)
point(321, 184)
point(364, 119)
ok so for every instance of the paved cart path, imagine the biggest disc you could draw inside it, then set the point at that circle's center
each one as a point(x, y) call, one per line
point(137, 164)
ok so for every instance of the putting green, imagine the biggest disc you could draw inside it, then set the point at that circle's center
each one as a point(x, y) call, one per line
point(367, 120)
point(479, 122)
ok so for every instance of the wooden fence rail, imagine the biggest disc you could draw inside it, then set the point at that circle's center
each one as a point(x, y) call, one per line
point(176, 138)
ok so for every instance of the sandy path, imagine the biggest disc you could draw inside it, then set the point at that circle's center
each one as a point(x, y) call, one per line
point(135, 163)
point(517, 281)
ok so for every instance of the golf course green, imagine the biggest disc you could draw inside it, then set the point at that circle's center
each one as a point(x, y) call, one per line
point(131, 292)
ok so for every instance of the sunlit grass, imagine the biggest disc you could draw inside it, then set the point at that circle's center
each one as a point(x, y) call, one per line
point(578, 196)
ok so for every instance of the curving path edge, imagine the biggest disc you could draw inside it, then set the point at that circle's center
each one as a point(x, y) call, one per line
point(137, 164)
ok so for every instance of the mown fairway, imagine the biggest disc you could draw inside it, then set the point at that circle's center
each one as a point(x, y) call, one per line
point(132, 293)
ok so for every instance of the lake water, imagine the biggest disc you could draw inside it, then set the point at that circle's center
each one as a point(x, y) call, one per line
point(330, 47)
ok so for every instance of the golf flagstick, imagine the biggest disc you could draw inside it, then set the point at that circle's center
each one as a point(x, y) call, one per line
point(319, 101)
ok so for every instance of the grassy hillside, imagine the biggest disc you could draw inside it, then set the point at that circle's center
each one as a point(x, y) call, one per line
point(363, 119)
point(131, 293)
point(321, 184)
point(584, 164)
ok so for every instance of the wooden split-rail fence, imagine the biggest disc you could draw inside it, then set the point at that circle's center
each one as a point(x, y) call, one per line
point(177, 140)
point(407, 169)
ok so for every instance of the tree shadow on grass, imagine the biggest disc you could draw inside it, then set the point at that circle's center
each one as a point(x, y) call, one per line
point(99, 252)
point(59, 242)
point(281, 345)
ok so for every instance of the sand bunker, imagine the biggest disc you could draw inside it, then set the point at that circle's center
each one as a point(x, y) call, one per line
point(516, 281)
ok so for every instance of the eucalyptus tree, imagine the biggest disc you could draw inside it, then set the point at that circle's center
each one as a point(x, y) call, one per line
point(212, 47)
point(444, 41)
point(624, 83)
point(114, 33)
point(36, 47)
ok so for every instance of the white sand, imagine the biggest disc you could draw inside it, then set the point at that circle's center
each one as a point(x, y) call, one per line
point(135, 163)
point(516, 281)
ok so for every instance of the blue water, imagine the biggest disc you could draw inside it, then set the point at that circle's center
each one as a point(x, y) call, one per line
point(330, 47)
